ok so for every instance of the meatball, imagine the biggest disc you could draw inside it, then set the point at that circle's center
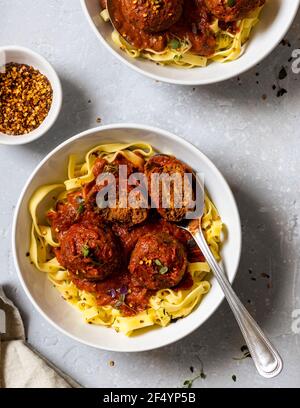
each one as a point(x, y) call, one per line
point(89, 252)
point(129, 216)
point(175, 207)
point(232, 10)
point(152, 15)
point(158, 261)
point(122, 212)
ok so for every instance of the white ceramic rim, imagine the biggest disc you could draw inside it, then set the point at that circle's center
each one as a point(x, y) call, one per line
point(220, 78)
point(134, 126)
point(28, 138)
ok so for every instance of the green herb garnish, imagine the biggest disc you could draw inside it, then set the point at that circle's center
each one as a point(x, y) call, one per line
point(163, 270)
point(246, 354)
point(120, 302)
point(231, 3)
point(174, 43)
point(189, 383)
point(157, 262)
point(85, 251)
point(81, 209)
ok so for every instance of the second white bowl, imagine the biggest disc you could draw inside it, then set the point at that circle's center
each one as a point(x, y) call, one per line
point(276, 18)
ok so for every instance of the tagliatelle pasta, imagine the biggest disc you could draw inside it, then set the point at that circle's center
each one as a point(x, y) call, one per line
point(164, 305)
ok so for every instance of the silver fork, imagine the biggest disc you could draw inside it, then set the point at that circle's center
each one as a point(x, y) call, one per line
point(265, 357)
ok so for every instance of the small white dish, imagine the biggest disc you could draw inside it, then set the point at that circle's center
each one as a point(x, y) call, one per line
point(23, 55)
point(47, 299)
point(276, 18)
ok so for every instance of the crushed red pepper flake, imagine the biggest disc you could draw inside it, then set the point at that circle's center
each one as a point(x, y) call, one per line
point(25, 99)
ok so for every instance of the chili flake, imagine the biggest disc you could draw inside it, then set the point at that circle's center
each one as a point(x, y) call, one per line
point(25, 99)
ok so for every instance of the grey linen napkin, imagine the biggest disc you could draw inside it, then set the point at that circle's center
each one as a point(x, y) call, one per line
point(20, 365)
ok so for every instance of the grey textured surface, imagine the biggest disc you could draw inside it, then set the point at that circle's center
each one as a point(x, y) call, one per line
point(254, 140)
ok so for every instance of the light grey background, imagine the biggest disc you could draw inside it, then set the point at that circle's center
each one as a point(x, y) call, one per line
point(253, 140)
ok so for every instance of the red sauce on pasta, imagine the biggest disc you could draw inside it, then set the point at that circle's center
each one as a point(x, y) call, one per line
point(152, 24)
point(123, 261)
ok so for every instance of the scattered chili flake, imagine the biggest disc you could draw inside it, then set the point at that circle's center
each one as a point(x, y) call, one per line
point(98, 120)
point(27, 254)
point(282, 74)
point(111, 363)
point(285, 42)
point(281, 92)
point(234, 378)
point(25, 99)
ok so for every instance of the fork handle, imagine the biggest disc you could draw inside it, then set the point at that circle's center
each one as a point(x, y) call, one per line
point(264, 355)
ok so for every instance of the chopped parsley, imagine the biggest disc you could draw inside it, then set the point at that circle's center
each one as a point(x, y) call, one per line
point(189, 383)
point(231, 3)
point(246, 353)
point(174, 43)
point(163, 270)
point(80, 208)
point(85, 251)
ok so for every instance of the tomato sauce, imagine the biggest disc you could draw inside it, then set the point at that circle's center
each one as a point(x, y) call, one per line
point(192, 25)
point(97, 252)
point(135, 299)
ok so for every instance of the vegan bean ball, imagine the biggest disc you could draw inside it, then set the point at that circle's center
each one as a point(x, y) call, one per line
point(153, 15)
point(158, 261)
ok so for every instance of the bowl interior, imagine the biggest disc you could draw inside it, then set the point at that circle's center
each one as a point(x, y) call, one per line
point(47, 299)
point(22, 55)
point(276, 18)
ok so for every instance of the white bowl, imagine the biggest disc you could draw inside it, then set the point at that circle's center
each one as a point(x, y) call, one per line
point(23, 55)
point(276, 18)
point(47, 299)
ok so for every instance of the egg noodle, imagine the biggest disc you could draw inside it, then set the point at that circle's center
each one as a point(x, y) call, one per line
point(229, 46)
point(166, 304)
